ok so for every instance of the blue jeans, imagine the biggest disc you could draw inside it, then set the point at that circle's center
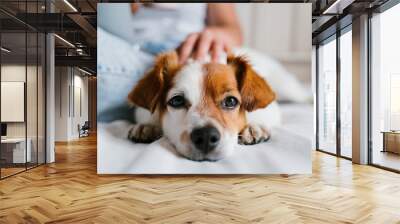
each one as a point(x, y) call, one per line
point(119, 66)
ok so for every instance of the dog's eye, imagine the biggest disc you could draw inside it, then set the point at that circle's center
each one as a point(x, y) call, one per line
point(177, 101)
point(230, 102)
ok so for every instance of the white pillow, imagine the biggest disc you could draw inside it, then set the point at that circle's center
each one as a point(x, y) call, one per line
point(284, 83)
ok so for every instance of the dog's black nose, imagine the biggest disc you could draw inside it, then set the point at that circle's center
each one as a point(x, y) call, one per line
point(205, 139)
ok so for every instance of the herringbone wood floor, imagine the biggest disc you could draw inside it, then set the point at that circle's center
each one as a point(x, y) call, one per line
point(70, 191)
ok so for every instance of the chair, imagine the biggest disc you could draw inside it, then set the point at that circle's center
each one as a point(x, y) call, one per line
point(84, 129)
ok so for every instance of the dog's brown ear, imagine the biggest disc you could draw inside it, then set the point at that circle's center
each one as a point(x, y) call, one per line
point(255, 91)
point(148, 90)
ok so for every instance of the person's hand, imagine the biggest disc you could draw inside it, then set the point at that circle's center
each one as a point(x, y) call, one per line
point(212, 40)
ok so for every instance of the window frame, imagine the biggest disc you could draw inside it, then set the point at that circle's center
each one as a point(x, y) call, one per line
point(334, 37)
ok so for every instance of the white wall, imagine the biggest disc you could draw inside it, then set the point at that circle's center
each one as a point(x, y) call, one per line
point(12, 73)
point(34, 125)
point(62, 81)
point(80, 109)
point(12, 100)
point(71, 96)
point(282, 31)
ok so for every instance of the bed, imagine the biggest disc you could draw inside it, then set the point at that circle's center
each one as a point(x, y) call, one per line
point(288, 151)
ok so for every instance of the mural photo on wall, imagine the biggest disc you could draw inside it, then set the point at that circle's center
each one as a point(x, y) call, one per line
point(204, 88)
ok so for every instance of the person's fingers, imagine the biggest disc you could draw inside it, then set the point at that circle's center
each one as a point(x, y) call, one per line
point(134, 7)
point(227, 49)
point(187, 47)
point(216, 50)
point(203, 45)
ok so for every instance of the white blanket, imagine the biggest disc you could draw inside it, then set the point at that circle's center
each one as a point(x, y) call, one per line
point(287, 152)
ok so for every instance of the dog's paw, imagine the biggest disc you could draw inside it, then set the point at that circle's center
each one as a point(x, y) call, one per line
point(144, 133)
point(253, 134)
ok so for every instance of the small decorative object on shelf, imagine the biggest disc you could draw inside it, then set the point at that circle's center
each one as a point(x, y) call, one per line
point(391, 141)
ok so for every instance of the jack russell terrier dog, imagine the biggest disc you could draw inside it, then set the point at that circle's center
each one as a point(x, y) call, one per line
point(203, 109)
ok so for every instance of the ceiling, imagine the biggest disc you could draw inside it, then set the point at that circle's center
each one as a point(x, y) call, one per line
point(332, 15)
point(72, 20)
point(76, 20)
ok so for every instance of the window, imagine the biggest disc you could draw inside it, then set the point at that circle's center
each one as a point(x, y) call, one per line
point(394, 102)
point(22, 78)
point(14, 143)
point(385, 89)
point(346, 94)
point(327, 97)
point(334, 106)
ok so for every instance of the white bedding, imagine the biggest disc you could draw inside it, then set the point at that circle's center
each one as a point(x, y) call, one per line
point(298, 118)
point(288, 151)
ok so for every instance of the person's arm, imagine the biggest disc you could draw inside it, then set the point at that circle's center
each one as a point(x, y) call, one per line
point(221, 34)
point(224, 16)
